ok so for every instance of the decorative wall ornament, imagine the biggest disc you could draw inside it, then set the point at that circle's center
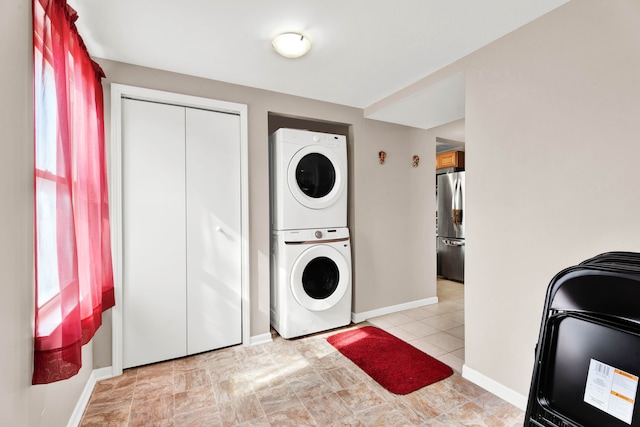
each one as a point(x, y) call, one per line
point(416, 161)
point(382, 156)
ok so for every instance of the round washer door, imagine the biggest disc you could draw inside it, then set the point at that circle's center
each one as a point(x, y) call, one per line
point(315, 177)
point(320, 277)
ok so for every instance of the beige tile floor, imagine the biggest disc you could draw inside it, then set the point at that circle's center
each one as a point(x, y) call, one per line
point(304, 382)
point(437, 329)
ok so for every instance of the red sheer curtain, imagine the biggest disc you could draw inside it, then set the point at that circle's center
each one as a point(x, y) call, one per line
point(73, 269)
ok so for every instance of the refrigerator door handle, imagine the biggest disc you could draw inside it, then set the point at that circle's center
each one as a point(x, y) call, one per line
point(453, 242)
point(456, 203)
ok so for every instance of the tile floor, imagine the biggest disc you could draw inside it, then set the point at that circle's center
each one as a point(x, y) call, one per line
point(304, 382)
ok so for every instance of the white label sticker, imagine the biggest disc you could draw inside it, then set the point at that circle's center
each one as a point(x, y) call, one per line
point(611, 390)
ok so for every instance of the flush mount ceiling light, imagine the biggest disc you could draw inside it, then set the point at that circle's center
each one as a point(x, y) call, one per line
point(291, 45)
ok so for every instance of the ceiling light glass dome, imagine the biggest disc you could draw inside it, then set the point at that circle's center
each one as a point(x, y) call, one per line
point(291, 45)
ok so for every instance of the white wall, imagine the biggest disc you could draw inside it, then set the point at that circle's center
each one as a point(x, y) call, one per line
point(552, 151)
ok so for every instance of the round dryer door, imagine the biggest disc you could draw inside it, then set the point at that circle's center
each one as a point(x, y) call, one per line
point(315, 177)
point(319, 278)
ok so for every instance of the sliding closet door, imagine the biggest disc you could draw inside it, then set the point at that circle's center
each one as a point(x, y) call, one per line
point(213, 230)
point(154, 247)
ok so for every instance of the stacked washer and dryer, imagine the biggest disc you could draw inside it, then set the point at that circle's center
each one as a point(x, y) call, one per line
point(310, 246)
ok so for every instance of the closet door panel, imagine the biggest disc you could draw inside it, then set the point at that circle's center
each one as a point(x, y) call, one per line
point(154, 262)
point(213, 230)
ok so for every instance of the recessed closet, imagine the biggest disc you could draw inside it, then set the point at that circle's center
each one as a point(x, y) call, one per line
point(181, 228)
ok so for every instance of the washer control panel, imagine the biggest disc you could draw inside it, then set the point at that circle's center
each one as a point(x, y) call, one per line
point(311, 236)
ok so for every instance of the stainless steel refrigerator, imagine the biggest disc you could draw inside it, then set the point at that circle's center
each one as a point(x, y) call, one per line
point(450, 225)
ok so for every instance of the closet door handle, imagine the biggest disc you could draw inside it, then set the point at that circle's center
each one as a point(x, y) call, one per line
point(223, 232)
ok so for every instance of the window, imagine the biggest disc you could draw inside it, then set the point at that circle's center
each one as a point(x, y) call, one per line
point(73, 271)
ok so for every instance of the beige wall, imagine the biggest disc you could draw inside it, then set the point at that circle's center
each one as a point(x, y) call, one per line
point(16, 183)
point(20, 403)
point(394, 221)
point(551, 155)
point(16, 248)
point(551, 142)
point(385, 243)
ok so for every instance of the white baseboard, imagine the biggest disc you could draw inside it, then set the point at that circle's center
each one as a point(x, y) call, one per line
point(96, 375)
point(260, 339)
point(504, 393)
point(361, 317)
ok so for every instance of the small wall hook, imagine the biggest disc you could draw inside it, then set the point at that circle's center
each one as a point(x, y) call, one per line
point(416, 161)
point(382, 156)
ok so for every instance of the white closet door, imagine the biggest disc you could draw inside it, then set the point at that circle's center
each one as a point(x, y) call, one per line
point(214, 317)
point(154, 263)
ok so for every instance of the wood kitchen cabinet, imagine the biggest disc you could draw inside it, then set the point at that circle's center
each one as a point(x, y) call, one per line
point(450, 159)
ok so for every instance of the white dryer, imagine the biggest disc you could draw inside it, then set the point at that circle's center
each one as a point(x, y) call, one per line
point(310, 280)
point(308, 174)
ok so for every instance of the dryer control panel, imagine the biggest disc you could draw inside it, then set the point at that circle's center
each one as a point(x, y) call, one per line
point(305, 137)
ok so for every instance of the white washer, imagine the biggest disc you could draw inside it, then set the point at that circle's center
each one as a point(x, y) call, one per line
point(308, 179)
point(310, 280)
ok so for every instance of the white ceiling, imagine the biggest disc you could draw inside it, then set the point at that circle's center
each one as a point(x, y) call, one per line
point(363, 50)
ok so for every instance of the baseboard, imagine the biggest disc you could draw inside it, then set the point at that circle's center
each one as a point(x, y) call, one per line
point(96, 375)
point(260, 339)
point(504, 393)
point(361, 317)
